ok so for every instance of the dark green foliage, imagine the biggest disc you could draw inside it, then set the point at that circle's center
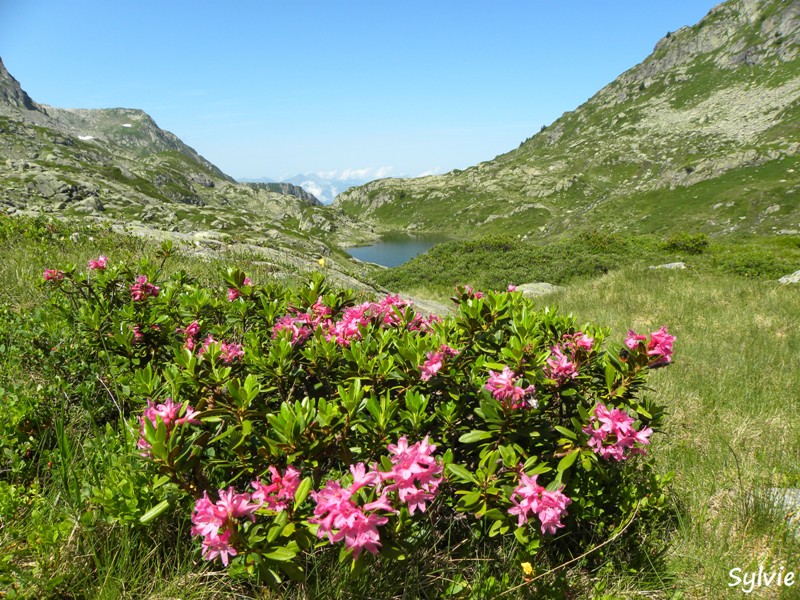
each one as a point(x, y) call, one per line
point(686, 243)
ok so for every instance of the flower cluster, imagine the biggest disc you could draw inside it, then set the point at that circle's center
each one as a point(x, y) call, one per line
point(141, 290)
point(531, 498)
point(560, 367)
point(228, 351)
point(411, 466)
point(434, 361)
point(659, 346)
point(616, 437)
point(234, 293)
point(389, 312)
point(505, 389)
point(340, 518)
point(168, 413)
point(338, 515)
point(216, 521)
point(276, 495)
point(53, 275)
point(190, 334)
point(98, 264)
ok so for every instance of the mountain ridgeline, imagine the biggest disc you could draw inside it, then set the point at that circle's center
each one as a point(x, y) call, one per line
point(116, 165)
point(703, 135)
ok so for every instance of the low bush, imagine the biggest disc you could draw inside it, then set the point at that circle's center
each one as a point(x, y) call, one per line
point(278, 420)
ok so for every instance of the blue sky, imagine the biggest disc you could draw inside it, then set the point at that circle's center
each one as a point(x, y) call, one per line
point(265, 88)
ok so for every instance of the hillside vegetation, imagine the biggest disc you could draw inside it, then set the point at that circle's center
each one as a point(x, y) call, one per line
point(494, 262)
point(703, 135)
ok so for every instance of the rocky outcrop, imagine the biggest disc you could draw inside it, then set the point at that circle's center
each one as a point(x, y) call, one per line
point(288, 189)
point(12, 96)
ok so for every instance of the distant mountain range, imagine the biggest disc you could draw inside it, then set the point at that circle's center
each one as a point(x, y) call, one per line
point(325, 188)
point(703, 135)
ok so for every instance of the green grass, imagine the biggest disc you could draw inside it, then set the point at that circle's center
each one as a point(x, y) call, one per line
point(731, 395)
point(731, 431)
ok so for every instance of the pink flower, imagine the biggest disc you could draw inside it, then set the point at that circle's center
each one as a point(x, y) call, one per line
point(412, 466)
point(615, 438)
point(233, 294)
point(448, 351)
point(301, 327)
point(503, 387)
point(340, 518)
point(99, 263)
point(632, 340)
point(53, 275)
point(168, 413)
point(660, 345)
point(431, 366)
point(230, 352)
point(141, 290)
point(247, 282)
point(138, 336)
point(578, 341)
point(511, 288)
point(216, 521)
point(560, 367)
point(529, 497)
point(236, 505)
point(472, 293)
point(189, 332)
point(277, 495)
point(218, 546)
point(207, 517)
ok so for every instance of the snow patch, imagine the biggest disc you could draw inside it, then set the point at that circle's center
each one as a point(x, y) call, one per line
point(85, 138)
point(127, 125)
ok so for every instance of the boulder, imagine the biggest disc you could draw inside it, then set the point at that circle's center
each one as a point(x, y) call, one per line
point(675, 265)
point(793, 278)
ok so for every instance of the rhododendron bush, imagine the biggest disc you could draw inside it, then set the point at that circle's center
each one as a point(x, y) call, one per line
point(287, 420)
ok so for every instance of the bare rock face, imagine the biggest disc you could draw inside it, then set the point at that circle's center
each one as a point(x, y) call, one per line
point(11, 93)
point(541, 288)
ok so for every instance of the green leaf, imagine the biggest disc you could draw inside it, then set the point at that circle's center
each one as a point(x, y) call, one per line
point(462, 473)
point(154, 512)
point(611, 374)
point(473, 436)
point(302, 491)
point(281, 554)
point(566, 462)
point(566, 432)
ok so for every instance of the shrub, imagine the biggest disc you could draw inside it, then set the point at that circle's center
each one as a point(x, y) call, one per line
point(275, 417)
point(686, 242)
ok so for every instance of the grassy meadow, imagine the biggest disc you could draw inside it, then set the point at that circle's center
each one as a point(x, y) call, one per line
point(732, 433)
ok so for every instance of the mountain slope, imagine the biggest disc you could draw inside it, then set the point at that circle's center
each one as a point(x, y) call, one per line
point(704, 134)
point(117, 165)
